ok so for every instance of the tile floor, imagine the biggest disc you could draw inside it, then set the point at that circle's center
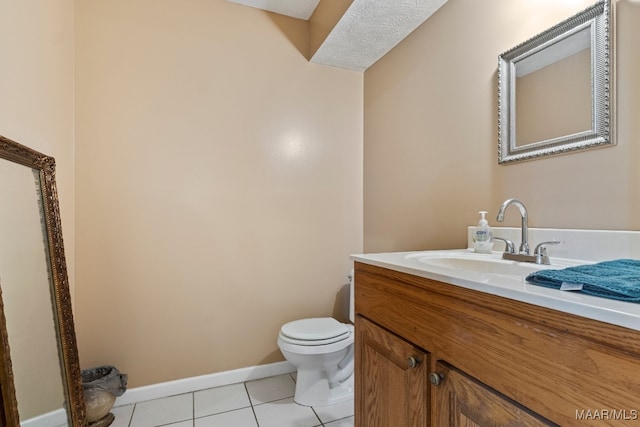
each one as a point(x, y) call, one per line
point(267, 402)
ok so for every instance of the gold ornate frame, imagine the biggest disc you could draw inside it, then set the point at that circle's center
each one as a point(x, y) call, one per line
point(70, 365)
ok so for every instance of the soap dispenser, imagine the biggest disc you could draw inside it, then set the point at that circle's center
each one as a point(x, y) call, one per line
point(483, 236)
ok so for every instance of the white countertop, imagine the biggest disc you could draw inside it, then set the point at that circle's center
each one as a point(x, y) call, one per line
point(510, 286)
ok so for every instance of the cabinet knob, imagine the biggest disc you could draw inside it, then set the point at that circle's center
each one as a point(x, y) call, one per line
point(436, 378)
point(413, 362)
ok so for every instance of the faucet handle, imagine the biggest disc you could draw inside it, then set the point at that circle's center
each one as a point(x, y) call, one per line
point(541, 251)
point(509, 246)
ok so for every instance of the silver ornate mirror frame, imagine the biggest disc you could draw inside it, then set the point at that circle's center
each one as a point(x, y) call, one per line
point(44, 167)
point(598, 18)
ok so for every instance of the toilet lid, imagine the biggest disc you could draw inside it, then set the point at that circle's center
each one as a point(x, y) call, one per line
point(316, 329)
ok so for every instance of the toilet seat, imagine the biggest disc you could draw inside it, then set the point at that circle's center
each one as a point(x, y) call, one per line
point(314, 348)
point(315, 331)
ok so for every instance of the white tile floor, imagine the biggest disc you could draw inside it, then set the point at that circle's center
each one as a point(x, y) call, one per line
point(267, 402)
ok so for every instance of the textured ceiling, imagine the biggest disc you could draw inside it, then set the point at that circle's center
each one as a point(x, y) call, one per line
point(301, 9)
point(371, 28)
point(366, 32)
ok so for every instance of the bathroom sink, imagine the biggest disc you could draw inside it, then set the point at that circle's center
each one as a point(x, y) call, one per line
point(489, 266)
point(464, 267)
point(484, 264)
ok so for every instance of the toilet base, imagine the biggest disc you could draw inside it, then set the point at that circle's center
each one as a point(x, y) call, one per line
point(313, 389)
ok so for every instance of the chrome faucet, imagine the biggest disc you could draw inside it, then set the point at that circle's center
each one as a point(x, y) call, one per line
point(524, 245)
point(540, 254)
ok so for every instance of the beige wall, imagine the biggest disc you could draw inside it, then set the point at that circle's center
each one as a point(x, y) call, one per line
point(36, 89)
point(430, 129)
point(219, 185)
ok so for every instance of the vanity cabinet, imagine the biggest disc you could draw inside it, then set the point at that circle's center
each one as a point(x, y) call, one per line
point(393, 388)
point(434, 354)
point(462, 401)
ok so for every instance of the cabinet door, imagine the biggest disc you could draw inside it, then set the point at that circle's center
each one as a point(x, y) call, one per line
point(391, 379)
point(461, 401)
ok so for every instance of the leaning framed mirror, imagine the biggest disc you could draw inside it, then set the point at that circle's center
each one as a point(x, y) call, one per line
point(40, 376)
point(556, 90)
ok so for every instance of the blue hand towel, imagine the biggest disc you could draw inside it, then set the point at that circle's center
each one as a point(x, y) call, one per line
point(618, 279)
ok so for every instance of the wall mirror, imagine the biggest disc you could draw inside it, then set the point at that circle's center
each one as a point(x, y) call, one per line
point(40, 376)
point(555, 90)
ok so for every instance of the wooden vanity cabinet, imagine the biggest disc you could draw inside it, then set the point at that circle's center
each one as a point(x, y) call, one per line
point(393, 389)
point(462, 401)
point(433, 354)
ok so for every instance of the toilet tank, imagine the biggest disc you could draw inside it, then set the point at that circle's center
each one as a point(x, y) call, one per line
point(352, 311)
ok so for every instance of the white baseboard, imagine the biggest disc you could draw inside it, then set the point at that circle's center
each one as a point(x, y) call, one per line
point(188, 385)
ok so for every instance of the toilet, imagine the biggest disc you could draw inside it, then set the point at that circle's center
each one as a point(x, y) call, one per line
point(322, 351)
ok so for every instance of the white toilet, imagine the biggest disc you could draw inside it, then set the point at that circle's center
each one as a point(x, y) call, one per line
point(322, 350)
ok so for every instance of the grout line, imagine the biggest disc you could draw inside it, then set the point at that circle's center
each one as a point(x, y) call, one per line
point(316, 414)
point(131, 417)
point(255, 417)
point(193, 409)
